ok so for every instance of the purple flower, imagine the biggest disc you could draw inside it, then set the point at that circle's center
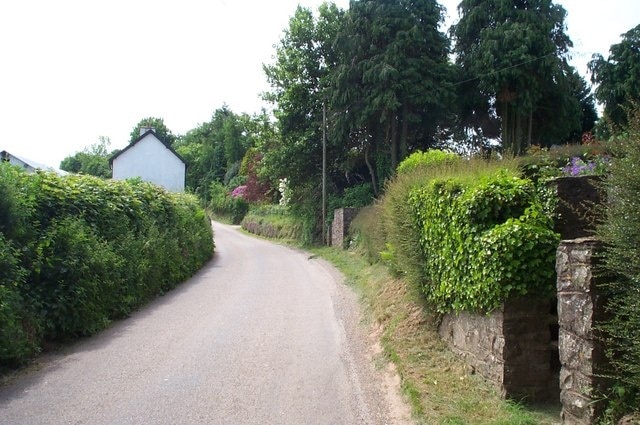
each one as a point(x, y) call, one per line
point(578, 167)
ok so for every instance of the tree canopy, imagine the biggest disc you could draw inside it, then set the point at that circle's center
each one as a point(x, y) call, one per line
point(299, 78)
point(159, 128)
point(93, 160)
point(389, 90)
point(618, 77)
point(215, 149)
point(377, 70)
point(512, 58)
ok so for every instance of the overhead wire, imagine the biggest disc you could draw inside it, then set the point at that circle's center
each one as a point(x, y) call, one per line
point(501, 70)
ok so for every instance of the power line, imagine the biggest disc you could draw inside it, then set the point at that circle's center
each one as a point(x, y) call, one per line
point(501, 70)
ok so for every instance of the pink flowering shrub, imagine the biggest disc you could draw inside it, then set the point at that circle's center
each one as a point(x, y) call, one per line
point(239, 192)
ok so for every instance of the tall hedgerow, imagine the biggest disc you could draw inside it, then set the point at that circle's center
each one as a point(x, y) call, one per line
point(469, 232)
point(400, 230)
point(620, 232)
point(77, 252)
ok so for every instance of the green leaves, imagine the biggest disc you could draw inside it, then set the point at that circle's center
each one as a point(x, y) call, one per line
point(82, 251)
point(425, 159)
point(93, 160)
point(512, 61)
point(483, 242)
point(159, 127)
point(618, 77)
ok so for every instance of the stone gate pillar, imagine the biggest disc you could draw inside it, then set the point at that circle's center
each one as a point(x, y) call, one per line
point(580, 306)
point(342, 219)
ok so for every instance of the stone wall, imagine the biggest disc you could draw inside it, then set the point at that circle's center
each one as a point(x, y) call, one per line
point(512, 347)
point(578, 201)
point(579, 307)
point(342, 219)
point(540, 350)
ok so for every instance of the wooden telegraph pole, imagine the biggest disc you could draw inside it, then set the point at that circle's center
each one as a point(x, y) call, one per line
point(324, 174)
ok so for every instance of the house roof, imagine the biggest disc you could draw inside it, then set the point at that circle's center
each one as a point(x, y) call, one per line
point(35, 165)
point(142, 136)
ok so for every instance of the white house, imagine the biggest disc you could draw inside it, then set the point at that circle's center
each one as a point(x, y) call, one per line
point(28, 165)
point(152, 160)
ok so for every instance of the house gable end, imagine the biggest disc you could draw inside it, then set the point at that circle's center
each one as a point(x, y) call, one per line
point(140, 138)
point(151, 160)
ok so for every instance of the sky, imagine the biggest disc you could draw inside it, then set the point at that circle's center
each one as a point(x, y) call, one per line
point(72, 71)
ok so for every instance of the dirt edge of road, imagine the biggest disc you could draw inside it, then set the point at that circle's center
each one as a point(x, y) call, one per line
point(366, 338)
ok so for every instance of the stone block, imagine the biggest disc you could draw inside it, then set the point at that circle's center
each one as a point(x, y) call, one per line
point(509, 347)
point(578, 200)
point(576, 313)
point(576, 354)
point(577, 382)
point(342, 219)
point(577, 409)
point(581, 255)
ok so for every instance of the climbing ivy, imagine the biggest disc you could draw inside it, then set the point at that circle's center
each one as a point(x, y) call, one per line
point(484, 242)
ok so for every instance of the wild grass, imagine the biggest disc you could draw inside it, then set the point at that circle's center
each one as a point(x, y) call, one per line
point(438, 385)
point(273, 221)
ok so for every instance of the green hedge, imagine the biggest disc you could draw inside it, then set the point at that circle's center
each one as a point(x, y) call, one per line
point(397, 226)
point(77, 252)
point(273, 221)
point(420, 159)
point(620, 268)
point(483, 242)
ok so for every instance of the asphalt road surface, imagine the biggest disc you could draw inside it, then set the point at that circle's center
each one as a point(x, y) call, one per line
point(263, 334)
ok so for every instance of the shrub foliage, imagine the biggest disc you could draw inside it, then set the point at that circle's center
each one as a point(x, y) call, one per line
point(77, 252)
point(471, 233)
point(483, 243)
point(620, 231)
point(225, 206)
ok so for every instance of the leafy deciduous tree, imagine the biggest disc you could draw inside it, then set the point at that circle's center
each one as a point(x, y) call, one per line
point(618, 76)
point(213, 150)
point(299, 80)
point(159, 128)
point(93, 160)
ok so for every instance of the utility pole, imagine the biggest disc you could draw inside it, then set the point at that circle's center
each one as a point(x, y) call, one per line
point(324, 174)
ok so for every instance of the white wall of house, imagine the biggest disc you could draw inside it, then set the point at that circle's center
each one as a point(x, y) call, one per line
point(153, 162)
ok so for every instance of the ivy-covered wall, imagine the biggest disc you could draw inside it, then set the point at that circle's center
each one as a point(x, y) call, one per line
point(484, 242)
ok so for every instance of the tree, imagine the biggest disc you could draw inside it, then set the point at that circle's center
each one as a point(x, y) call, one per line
point(618, 77)
point(161, 130)
point(299, 78)
point(512, 56)
point(389, 94)
point(213, 150)
point(566, 111)
point(93, 160)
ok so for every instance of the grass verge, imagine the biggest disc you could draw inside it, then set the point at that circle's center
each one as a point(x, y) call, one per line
point(436, 383)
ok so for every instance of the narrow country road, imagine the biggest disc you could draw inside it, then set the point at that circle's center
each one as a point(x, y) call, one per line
point(261, 335)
